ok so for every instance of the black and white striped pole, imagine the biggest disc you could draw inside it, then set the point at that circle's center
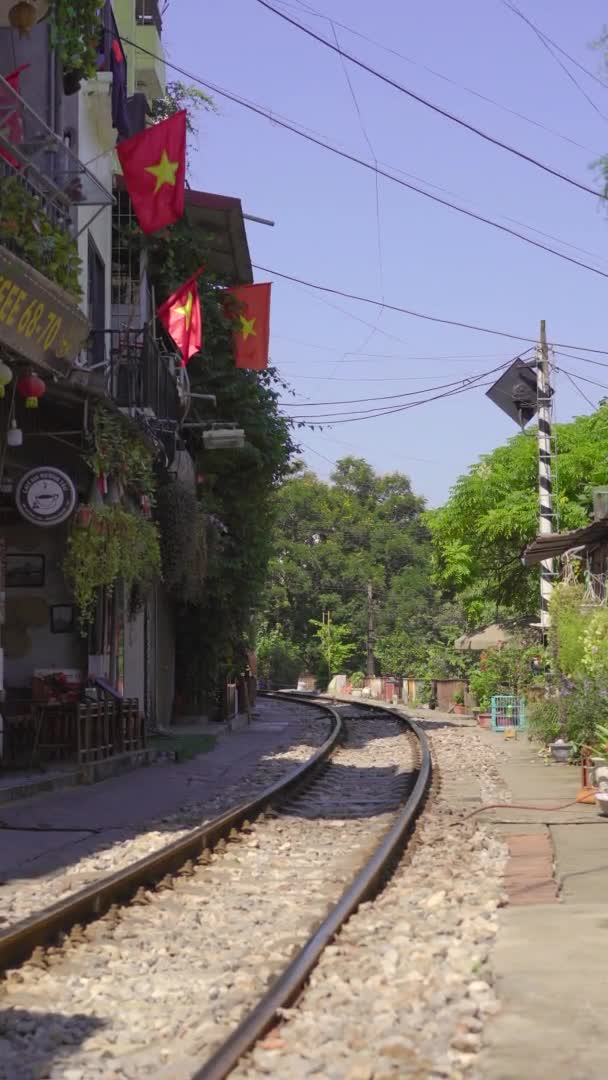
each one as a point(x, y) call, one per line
point(545, 492)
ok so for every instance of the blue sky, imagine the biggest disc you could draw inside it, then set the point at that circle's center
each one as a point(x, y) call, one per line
point(413, 253)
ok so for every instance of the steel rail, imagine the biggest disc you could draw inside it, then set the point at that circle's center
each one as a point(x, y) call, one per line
point(40, 930)
point(367, 883)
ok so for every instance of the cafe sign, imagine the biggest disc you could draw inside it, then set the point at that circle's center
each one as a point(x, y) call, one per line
point(45, 496)
point(38, 320)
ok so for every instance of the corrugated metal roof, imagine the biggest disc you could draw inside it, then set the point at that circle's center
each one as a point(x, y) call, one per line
point(554, 544)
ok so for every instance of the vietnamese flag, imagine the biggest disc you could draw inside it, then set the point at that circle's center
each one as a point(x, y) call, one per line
point(11, 123)
point(252, 326)
point(182, 319)
point(154, 167)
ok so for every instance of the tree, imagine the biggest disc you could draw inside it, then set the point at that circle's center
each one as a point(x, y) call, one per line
point(237, 489)
point(334, 647)
point(331, 540)
point(492, 514)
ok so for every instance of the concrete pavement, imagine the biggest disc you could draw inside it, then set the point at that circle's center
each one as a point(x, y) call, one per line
point(51, 831)
point(549, 965)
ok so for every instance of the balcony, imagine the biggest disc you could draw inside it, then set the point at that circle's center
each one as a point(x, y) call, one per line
point(150, 76)
point(131, 367)
point(40, 183)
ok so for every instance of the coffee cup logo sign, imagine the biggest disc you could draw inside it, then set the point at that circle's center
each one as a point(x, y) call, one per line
point(45, 496)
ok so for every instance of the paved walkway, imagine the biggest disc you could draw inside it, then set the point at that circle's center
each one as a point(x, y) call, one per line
point(84, 818)
point(550, 961)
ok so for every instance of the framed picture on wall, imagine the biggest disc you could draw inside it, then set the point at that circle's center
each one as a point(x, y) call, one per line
point(62, 619)
point(24, 571)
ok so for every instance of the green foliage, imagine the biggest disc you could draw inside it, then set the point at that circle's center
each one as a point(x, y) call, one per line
point(333, 646)
point(543, 720)
point(27, 231)
point(119, 453)
point(183, 542)
point(568, 624)
point(75, 30)
point(491, 514)
point(238, 487)
point(116, 546)
point(600, 749)
point(178, 96)
point(278, 658)
point(505, 670)
point(357, 679)
point(331, 540)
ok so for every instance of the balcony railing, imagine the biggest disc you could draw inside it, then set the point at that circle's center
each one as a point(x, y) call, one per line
point(147, 13)
point(130, 366)
point(41, 158)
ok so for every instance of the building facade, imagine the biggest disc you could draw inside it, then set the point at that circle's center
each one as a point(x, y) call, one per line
point(83, 369)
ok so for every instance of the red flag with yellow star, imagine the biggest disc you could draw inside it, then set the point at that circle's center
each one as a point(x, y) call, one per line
point(252, 326)
point(182, 319)
point(154, 167)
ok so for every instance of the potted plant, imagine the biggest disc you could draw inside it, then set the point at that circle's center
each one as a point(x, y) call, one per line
point(75, 33)
point(458, 700)
point(599, 758)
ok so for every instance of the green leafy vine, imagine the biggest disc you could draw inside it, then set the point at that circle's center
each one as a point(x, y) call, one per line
point(117, 545)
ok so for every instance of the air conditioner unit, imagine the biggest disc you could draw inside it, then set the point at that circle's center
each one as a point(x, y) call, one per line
point(224, 438)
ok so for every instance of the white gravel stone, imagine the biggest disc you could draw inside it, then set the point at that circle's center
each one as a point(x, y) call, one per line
point(176, 970)
point(21, 897)
point(405, 971)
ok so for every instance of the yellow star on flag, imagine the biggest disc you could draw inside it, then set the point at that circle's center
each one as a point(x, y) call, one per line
point(186, 311)
point(247, 326)
point(165, 171)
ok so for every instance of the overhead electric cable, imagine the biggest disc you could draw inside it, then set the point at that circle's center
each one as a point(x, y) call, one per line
point(574, 383)
point(429, 104)
point(547, 45)
point(559, 48)
point(288, 126)
point(452, 82)
point(421, 315)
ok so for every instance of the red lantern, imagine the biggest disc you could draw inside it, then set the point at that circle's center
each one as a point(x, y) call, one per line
point(31, 387)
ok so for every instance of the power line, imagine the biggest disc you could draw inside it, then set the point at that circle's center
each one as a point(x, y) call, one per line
point(585, 359)
point(583, 378)
point(429, 104)
point(548, 46)
point(288, 126)
point(582, 393)
point(559, 48)
point(421, 315)
point(371, 415)
point(471, 379)
point(460, 387)
point(450, 81)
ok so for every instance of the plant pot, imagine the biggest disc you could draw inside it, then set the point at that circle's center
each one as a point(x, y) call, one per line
point(459, 710)
point(71, 82)
point(560, 750)
point(600, 773)
point(484, 719)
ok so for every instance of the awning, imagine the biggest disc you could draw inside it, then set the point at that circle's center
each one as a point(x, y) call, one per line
point(555, 544)
point(220, 217)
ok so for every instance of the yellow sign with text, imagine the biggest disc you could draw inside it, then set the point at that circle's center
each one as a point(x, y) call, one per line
point(38, 319)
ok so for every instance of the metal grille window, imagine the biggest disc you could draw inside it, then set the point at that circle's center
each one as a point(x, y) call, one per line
point(147, 13)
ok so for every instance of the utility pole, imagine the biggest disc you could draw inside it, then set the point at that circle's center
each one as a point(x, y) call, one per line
point(371, 671)
point(545, 492)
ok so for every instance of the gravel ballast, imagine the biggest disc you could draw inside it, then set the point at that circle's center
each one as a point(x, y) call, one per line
point(401, 992)
point(22, 896)
point(152, 990)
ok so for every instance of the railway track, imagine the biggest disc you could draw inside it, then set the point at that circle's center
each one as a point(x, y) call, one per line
point(182, 980)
